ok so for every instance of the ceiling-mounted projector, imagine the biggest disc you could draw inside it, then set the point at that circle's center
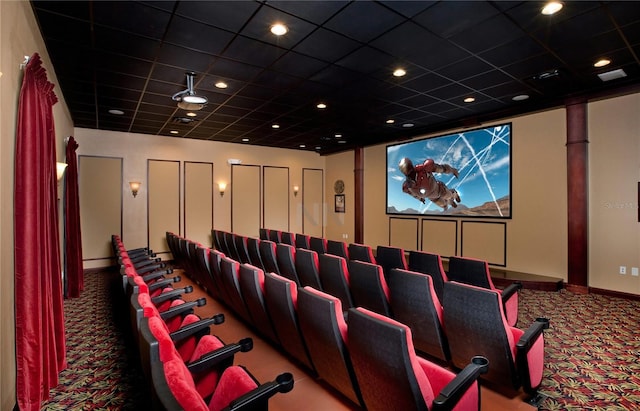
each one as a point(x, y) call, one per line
point(188, 99)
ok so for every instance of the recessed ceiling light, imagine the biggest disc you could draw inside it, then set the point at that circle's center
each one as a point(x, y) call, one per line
point(275, 126)
point(279, 29)
point(221, 84)
point(390, 121)
point(602, 63)
point(321, 106)
point(469, 100)
point(399, 72)
point(552, 7)
point(245, 139)
point(318, 147)
point(338, 136)
point(302, 146)
point(191, 114)
point(116, 112)
point(408, 125)
point(173, 131)
point(342, 141)
point(520, 97)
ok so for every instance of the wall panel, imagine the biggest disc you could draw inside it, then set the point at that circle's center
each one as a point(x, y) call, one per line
point(403, 233)
point(313, 202)
point(276, 198)
point(198, 201)
point(245, 200)
point(100, 204)
point(484, 240)
point(440, 237)
point(163, 204)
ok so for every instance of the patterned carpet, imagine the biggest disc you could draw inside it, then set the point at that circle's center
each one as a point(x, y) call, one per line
point(102, 373)
point(592, 351)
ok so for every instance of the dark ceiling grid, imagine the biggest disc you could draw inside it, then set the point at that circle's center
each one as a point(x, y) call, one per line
point(133, 56)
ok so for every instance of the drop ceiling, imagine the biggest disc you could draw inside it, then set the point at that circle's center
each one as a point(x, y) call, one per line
point(133, 57)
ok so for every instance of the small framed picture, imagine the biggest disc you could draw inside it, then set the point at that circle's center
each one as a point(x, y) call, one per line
point(339, 203)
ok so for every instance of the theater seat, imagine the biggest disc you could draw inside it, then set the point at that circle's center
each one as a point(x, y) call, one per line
point(268, 254)
point(303, 241)
point(368, 287)
point(476, 272)
point(392, 377)
point(430, 264)
point(325, 333)
point(334, 277)
point(286, 260)
point(308, 268)
point(281, 295)
point(339, 248)
point(414, 303)
point(475, 322)
point(389, 258)
point(252, 289)
point(361, 252)
point(318, 244)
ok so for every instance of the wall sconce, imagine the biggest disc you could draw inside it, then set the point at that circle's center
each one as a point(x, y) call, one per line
point(135, 186)
point(60, 168)
point(295, 191)
point(222, 187)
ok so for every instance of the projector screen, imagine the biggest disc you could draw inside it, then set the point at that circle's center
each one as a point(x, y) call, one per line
point(465, 174)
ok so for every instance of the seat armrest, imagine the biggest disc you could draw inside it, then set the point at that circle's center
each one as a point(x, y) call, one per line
point(196, 327)
point(452, 392)
point(160, 284)
point(511, 289)
point(156, 274)
point(170, 295)
point(182, 309)
point(258, 398)
point(149, 268)
point(531, 335)
point(221, 356)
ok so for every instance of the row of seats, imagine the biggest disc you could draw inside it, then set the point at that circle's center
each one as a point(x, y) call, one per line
point(318, 267)
point(310, 326)
point(185, 366)
point(315, 324)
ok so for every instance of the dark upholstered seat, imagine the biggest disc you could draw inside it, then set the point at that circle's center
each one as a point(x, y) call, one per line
point(414, 303)
point(288, 238)
point(240, 242)
point(475, 322)
point(308, 268)
point(368, 287)
point(389, 258)
point(339, 248)
point(252, 289)
point(253, 248)
point(430, 264)
point(286, 260)
point(334, 277)
point(325, 333)
point(303, 241)
point(281, 295)
point(361, 252)
point(476, 272)
point(318, 244)
point(268, 254)
point(392, 377)
point(231, 281)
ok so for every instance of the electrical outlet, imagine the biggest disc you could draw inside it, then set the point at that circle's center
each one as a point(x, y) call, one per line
point(634, 271)
point(623, 269)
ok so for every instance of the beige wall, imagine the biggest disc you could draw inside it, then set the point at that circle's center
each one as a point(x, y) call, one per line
point(614, 173)
point(135, 149)
point(340, 226)
point(19, 36)
point(536, 235)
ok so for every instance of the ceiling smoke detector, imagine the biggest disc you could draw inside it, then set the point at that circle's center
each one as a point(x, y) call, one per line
point(188, 99)
point(184, 120)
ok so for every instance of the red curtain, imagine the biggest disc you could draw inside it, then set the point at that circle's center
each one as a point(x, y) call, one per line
point(73, 239)
point(40, 335)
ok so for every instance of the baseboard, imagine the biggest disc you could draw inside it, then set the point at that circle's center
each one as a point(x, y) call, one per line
point(578, 289)
point(611, 293)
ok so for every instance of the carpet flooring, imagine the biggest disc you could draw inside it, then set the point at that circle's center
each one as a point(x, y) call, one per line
point(591, 357)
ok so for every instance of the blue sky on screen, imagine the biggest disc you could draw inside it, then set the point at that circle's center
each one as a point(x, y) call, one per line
point(481, 157)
